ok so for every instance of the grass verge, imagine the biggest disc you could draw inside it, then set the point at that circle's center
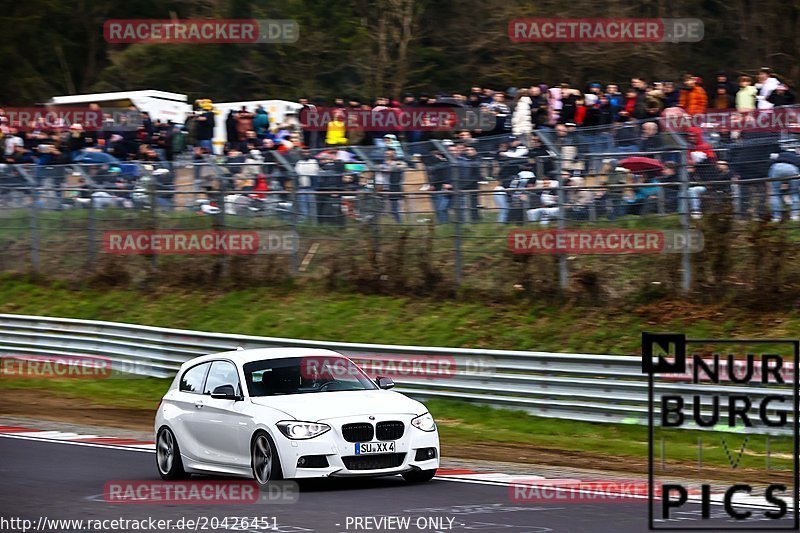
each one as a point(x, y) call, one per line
point(312, 314)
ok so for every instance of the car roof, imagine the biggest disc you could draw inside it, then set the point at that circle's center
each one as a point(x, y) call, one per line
point(257, 354)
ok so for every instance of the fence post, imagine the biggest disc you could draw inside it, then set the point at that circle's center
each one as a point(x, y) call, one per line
point(294, 262)
point(35, 231)
point(374, 201)
point(455, 179)
point(375, 219)
point(555, 152)
point(219, 226)
point(153, 212)
point(686, 260)
point(294, 265)
point(91, 235)
point(563, 273)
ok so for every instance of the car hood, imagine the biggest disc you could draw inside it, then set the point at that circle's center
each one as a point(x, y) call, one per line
point(318, 406)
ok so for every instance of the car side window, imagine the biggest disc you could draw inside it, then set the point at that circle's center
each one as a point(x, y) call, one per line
point(222, 373)
point(192, 380)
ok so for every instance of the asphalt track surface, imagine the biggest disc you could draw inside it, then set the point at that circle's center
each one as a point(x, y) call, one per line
point(64, 481)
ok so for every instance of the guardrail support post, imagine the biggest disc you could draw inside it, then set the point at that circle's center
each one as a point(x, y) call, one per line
point(768, 454)
point(699, 453)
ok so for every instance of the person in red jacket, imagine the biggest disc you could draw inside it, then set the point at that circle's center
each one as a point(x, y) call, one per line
point(580, 110)
point(260, 187)
point(694, 99)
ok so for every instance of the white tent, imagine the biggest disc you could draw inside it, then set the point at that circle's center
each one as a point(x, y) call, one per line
point(175, 107)
point(161, 105)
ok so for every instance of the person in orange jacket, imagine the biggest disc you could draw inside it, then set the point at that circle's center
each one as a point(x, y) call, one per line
point(694, 99)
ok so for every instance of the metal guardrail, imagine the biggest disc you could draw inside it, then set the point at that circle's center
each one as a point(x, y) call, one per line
point(594, 388)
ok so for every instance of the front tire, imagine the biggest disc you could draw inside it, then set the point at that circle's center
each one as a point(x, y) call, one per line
point(419, 476)
point(168, 456)
point(264, 460)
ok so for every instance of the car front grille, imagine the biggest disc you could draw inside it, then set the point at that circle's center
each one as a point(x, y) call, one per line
point(392, 430)
point(360, 432)
point(374, 462)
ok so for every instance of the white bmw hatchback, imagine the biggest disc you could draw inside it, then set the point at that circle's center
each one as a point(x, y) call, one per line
point(283, 413)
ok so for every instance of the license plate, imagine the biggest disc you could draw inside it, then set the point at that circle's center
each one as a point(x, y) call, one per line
point(368, 448)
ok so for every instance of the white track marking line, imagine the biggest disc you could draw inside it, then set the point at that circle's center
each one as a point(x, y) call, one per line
point(78, 443)
point(519, 479)
point(46, 434)
point(57, 435)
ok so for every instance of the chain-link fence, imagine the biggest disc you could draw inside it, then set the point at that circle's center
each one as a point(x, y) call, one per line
point(433, 217)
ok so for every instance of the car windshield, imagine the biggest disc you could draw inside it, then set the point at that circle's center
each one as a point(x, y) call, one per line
point(299, 375)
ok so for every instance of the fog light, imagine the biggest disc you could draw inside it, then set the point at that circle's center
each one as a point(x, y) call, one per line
point(312, 461)
point(425, 454)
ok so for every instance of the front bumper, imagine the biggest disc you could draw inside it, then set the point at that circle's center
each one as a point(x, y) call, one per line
point(333, 446)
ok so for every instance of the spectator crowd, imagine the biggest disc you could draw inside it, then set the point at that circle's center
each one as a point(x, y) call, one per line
point(516, 154)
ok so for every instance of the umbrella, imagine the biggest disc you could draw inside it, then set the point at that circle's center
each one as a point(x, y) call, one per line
point(96, 158)
point(327, 154)
point(344, 155)
point(640, 164)
point(447, 102)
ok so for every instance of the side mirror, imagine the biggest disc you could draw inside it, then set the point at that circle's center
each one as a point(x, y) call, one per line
point(225, 392)
point(384, 383)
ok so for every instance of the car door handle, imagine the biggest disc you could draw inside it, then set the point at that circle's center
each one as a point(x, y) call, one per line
point(198, 404)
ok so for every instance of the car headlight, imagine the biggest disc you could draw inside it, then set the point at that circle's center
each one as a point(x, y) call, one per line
point(424, 422)
point(302, 430)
